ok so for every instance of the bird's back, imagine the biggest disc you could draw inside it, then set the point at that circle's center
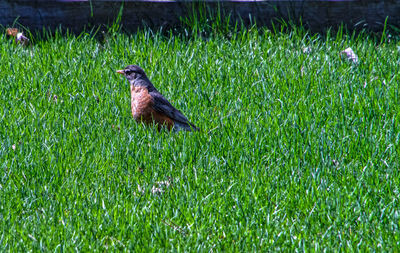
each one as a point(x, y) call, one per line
point(163, 106)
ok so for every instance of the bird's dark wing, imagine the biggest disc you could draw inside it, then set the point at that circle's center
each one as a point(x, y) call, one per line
point(162, 105)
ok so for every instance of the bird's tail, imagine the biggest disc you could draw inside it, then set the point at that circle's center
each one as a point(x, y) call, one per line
point(185, 126)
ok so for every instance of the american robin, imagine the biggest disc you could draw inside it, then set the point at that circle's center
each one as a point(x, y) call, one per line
point(149, 106)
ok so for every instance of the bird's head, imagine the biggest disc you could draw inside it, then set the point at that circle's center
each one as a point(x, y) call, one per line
point(133, 73)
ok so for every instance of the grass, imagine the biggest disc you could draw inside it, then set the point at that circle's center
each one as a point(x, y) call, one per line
point(298, 151)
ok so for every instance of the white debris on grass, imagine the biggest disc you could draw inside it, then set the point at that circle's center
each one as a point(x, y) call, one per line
point(307, 50)
point(349, 54)
point(158, 188)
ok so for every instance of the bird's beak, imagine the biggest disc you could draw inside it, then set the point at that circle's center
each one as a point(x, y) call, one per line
point(122, 72)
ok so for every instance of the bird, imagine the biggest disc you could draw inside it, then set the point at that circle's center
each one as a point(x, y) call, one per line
point(149, 106)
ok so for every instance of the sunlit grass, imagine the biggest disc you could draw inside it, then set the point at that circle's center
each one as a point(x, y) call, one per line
point(297, 150)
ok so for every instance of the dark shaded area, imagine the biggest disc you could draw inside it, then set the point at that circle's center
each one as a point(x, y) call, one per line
point(317, 16)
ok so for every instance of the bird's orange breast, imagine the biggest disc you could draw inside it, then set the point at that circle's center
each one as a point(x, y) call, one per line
point(142, 109)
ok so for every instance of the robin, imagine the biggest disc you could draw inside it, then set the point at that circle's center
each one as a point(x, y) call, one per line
point(149, 106)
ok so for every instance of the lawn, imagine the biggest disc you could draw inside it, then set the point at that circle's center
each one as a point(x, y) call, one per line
point(298, 149)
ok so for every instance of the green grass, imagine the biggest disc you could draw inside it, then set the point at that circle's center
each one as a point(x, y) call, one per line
point(297, 151)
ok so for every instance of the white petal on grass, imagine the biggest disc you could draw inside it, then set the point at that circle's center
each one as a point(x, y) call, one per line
point(21, 39)
point(349, 54)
